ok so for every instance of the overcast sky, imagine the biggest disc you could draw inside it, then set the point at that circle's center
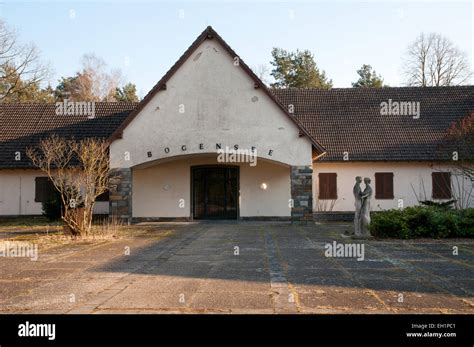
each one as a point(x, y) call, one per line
point(145, 39)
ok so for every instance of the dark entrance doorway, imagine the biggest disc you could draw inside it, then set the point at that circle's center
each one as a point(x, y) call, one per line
point(215, 192)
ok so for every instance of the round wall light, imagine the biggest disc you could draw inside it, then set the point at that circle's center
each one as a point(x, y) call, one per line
point(264, 186)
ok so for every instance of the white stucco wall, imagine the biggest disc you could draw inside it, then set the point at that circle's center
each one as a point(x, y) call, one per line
point(220, 105)
point(157, 190)
point(17, 194)
point(17, 187)
point(406, 174)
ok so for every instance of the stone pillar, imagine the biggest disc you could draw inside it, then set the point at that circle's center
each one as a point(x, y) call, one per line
point(120, 193)
point(302, 194)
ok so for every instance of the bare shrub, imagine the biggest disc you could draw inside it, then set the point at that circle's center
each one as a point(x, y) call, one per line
point(79, 171)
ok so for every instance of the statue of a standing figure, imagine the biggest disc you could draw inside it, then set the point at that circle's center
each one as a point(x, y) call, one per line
point(358, 205)
point(366, 196)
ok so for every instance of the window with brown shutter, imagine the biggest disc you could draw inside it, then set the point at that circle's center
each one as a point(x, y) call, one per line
point(327, 186)
point(384, 185)
point(441, 185)
point(44, 189)
point(103, 197)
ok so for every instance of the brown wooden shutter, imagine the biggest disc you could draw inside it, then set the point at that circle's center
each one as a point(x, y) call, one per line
point(441, 185)
point(44, 189)
point(388, 192)
point(328, 186)
point(384, 185)
point(103, 197)
point(378, 185)
point(40, 188)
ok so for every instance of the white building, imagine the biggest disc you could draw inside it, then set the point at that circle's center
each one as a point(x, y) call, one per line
point(308, 145)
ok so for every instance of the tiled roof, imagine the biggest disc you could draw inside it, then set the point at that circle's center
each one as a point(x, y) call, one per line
point(342, 120)
point(350, 120)
point(23, 125)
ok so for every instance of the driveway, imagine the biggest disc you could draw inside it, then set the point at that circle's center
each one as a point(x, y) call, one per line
point(244, 267)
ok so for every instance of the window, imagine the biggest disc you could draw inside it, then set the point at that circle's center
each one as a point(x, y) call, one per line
point(327, 186)
point(384, 185)
point(44, 189)
point(103, 197)
point(441, 185)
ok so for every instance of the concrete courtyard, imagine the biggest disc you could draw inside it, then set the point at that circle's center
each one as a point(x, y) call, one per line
point(244, 267)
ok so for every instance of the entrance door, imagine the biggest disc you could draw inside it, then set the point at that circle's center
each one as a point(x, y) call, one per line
point(215, 192)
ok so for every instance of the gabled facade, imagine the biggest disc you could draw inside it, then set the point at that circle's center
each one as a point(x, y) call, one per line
point(211, 100)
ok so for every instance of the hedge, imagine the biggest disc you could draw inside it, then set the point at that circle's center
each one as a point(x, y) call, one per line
point(422, 221)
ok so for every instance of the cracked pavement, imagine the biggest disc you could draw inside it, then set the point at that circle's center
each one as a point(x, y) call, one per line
point(241, 267)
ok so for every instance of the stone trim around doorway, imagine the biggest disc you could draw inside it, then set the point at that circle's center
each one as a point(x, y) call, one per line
point(302, 194)
point(120, 193)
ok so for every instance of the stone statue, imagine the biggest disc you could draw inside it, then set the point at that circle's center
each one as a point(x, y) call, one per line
point(364, 216)
point(358, 205)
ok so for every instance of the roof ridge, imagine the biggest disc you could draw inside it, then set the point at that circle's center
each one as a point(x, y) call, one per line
point(371, 88)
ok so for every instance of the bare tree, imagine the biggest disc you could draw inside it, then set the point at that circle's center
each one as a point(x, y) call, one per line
point(326, 205)
point(79, 170)
point(263, 72)
point(92, 83)
point(461, 135)
point(20, 66)
point(433, 60)
point(462, 189)
point(96, 80)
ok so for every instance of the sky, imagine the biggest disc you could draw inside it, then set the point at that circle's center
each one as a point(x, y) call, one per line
point(144, 39)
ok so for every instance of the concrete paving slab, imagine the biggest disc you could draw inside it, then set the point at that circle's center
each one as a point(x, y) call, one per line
point(281, 268)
